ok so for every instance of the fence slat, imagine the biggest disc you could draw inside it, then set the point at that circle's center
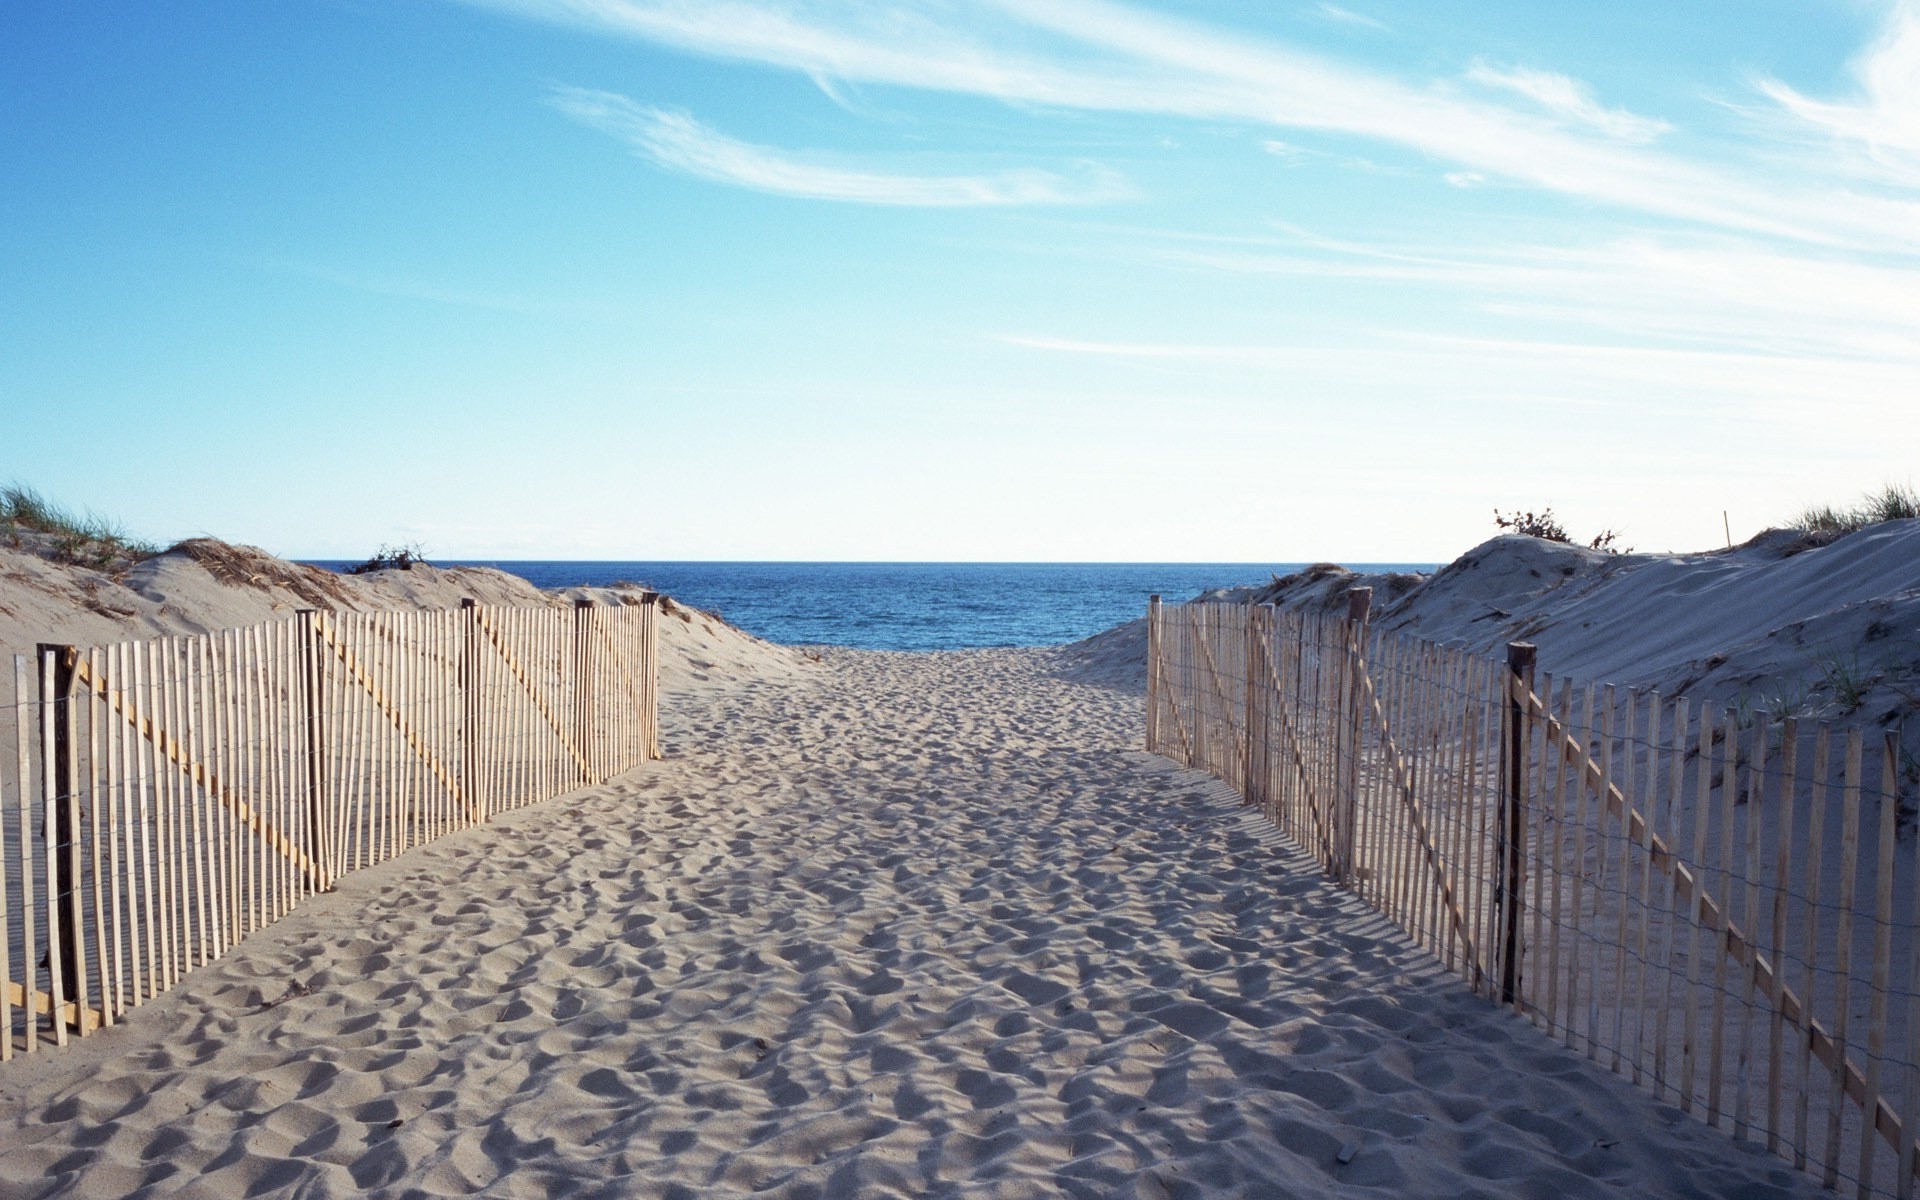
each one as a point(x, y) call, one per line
point(1843, 949)
point(1676, 775)
point(171, 795)
point(1882, 951)
point(1625, 740)
point(1642, 849)
point(1783, 840)
point(23, 726)
point(1750, 917)
point(1360, 743)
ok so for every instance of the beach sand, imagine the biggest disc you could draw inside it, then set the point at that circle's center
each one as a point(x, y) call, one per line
point(900, 925)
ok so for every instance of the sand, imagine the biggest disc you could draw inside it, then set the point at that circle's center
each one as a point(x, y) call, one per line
point(1785, 622)
point(892, 925)
point(208, 585)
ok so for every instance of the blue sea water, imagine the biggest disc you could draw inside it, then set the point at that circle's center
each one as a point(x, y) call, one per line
point(912, 606)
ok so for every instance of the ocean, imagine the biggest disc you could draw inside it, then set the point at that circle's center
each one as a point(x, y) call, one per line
point(914, 606)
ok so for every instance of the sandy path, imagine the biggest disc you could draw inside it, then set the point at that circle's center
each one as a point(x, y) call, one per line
point(928, 926)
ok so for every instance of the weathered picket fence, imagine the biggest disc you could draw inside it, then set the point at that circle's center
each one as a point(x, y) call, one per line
point(1716, 904)
point(159, 800)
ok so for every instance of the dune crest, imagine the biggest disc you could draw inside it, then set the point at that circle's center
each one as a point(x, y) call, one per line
point(204, 584)
point(1784, 622)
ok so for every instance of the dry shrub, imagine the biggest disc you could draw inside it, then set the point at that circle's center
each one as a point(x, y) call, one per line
point(245, 566)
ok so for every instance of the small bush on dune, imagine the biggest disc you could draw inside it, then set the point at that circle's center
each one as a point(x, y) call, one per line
point(88, 539)
point(1545, 525)
point(1893, 502)
point(392, 558)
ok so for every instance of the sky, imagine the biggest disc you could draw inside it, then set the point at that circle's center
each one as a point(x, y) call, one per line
point(1028, 280)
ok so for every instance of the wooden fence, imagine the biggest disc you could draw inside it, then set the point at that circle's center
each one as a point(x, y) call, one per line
point(1716, 904)
point(160, 800)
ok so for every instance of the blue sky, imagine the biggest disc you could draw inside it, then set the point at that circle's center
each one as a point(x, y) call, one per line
point(1032, 281)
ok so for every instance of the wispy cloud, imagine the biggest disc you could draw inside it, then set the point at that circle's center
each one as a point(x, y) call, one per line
point(1569, 99)
point(1763, 385)
point(404, 286)
point(1883, 120)
point(1108, 56)
point(1346, 16)
point(1294, 155)
point(1710, 294)
point(677, 141)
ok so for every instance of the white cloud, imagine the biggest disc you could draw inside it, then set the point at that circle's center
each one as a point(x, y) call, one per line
point(1346, 16)
point(1884, 119)
point(1766, 385)
point(1569, 99)
point(1293, 155)
point(678, 142)
point(1708, 294)
point(1465, 179)
point(1107, 56)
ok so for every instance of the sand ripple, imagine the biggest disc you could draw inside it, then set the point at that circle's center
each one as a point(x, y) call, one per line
point(927, 926)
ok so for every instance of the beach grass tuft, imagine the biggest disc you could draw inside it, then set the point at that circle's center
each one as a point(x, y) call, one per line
point(1893, 502)
point(86, 539)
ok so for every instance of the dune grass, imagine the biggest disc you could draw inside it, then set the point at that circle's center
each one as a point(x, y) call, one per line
point(1893, 502)
point(87, 539)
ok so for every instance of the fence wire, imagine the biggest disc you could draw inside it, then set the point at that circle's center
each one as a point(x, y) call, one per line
point(160, 800)
point(1719, 905)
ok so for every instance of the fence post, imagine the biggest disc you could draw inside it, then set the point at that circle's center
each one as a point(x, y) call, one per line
point(1359, 605)
point(650, 645)
point(60, 786)
point(1153, 674)
point(311, 695)
point(1250, 633)
point(1259, 706)
point(470, 705)
point(1509, 894)
point(582, 689)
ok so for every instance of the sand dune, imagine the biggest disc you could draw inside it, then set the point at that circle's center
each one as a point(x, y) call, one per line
point(1816, 630)
point(205, 585)
point(904, 925)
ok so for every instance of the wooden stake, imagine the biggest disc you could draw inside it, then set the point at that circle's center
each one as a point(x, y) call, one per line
point(1750, 917)
point(1608, 740)
point(651, 634)
point(582, 690)
point(1729, 789)
point(260, 768)
point(1155, 686)
point(1671, 918)
point(1544, 827)
point(1783, 839)
point(1882, 954)
point(96, 791)
point(120, 860)
point(312, 692)
point(198, 948)
point(1910, 1109)
point(1640, 991)
point(1623, 739)
point(1513, 840)
point(52, 745)
point(1843, 953)
point(1576, 950)
point(23, 730)
point(148, 766)
point(1562, 1021)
